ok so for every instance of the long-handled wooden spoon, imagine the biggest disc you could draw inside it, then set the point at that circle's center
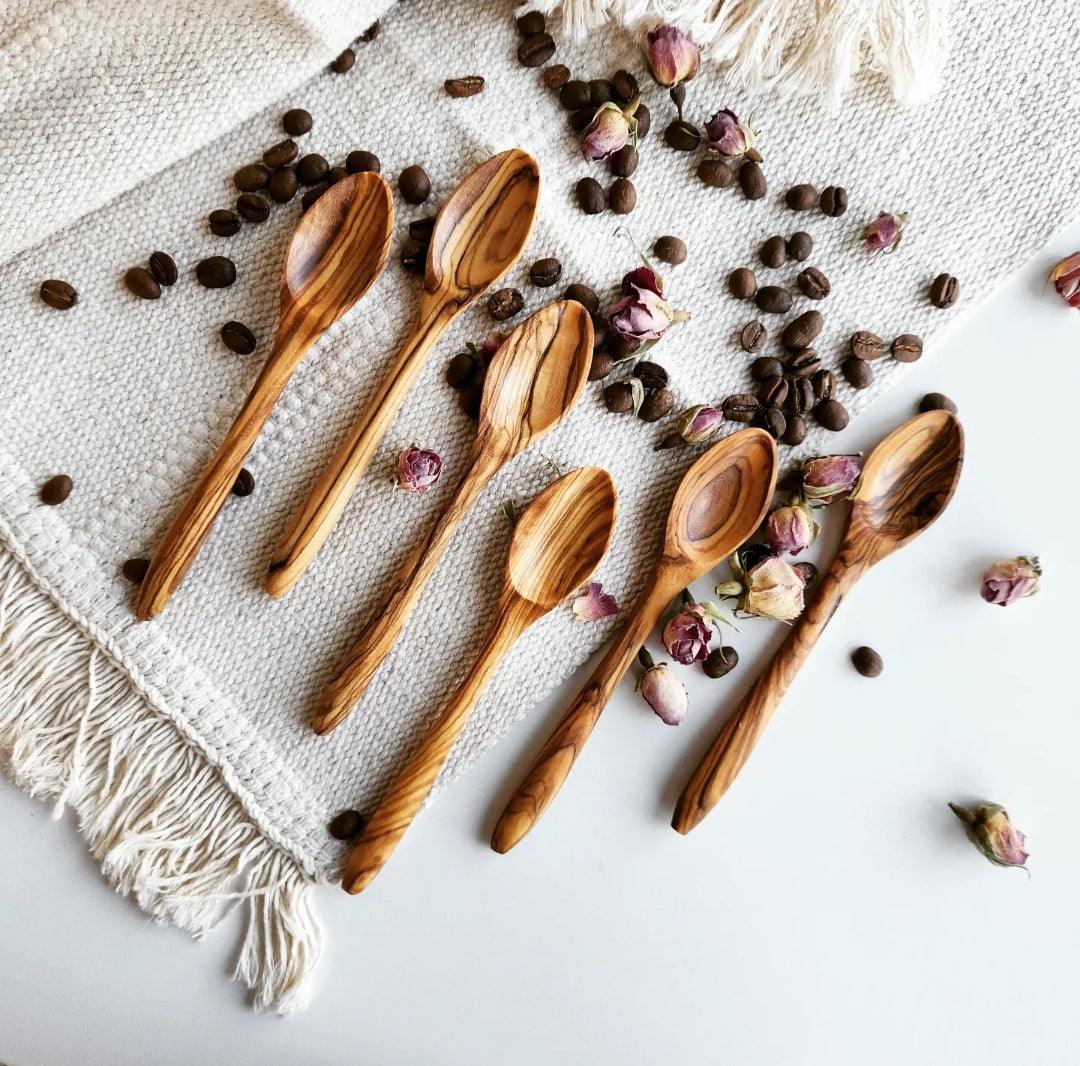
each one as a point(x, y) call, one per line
point(535, 378)
point(558, 542)
point(719, 503)
point(481, 231)
point(907, 482)
point(338, 250)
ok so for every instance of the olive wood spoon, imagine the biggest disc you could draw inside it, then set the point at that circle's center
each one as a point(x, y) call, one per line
point(719, 503)
point(558, 542)
point(907, 482)
point(338, 250)
point(536, 376)
point(479, 234)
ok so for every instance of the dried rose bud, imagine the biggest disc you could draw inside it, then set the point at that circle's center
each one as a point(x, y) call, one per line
point(687, 635)
point(829, 478)
point(699, 423)
point(642, 314)
point(595, 603)
point(491, 345)
point(611, 128)
point(791, 529)
point(1066, 279)
point(772, 589)
point(671, 55)
point(1009, 580)
point(662, 690)
point(417, 469)
point(989, 829)
point(883, 234)
point(724, 133)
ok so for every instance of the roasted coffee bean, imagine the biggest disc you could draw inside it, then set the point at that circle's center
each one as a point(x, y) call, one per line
point(773, 392)
point(800, 245)
point(536, 50)
point(803, 363)
point(296, 122)
point(601, 91)
point(773, 299)
point(253, 207)
point(581, 118)
point(765, 367)
point(504, 304)
point(619, 397)
point(142, 283)
point(937, 401)
point(224, 223)
point(801, 332)
point(283, 185)
point(906, 348)
point(773, 253)
point(651, 375)
point(344, 62)
point(574, 95)
point(58, 294)
point(470, 398)
point(720, 661)
point(163, 267)
point(656, 405)
point(370, 33)
point(244, 485)
point(945, 291)
point(584, 296)
point(742, 283)
point(668, 440)
point(669, 249)
point(824, 382)
point(644, 121)
point(238, 338)
point(420, 229)
point(414, 256)
point(740, 407)
point(801, 197)
point(867, 661)
point(545, 272)
point(531, 23)
point(134, 570)
point(312, 169)
point(360, 162)
point(346, 825)
point(796, 431)
point(813, 284)
point(716, 174)
point(624, 162)
point(469, 85)
point(752, 181)
point(555, 77)
point(753, 335)
point(462, 370)
point(312, 194)
point(833, 201)
point(252, 177)
point(414, 184)
point(281, 154)
point(602, 365)
point(215, 272)
point(867, 345)
point(801, 396)
point(625, 86)
point(55, 490)
point(681, 135)
point(858, 372)
point(621, 347)
point(831, 415)
point(622, 196)
point(773, 421)
point(336, 174)
point(590, 196)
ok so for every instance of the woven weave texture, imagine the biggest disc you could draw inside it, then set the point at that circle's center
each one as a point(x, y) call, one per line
point(131, 397)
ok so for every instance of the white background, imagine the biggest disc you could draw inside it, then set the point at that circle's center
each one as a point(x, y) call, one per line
point(829, 912)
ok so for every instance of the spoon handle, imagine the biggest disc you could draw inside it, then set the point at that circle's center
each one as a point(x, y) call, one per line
point(552, 764)
point(315, 520)
point(190, 528)
point(378, 639)
point(744, 726)
point(410, 788)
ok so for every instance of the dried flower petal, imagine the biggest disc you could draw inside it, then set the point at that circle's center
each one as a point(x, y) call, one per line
point(829, 478)
point(883, 234)
point(791, 529)
point(672, 56)
point(687, 635)
point(662, 690)
point(772, 589)
point(699, 423)
point(595, 604)
point(989, 829)
point(417, 469)
point(725, 134)
point(642, 314)
point(610, 129)
point(1066, 279)
point(1009, 580)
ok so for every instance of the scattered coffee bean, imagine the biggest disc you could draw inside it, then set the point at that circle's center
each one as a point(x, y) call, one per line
point(414, 184)
point(625, 86)
point(312, 195)
point(420, 229)
point(244, 485)
point(312, 169)
point(651, 375)
point(742, 283)
point(414, 256)
point(555, 77)
point(584, 296)
point(668, 440)
point(346, 825)
point(813, 284)
point(867, 345)
point(773, 253)
point(142, 283)
point(656, 405)
point(296, 122)
point(622, 196)
point(773, 391)
point(253, 207)
point(470, 398)
point(945, 291)
point(937, 401)
point(753, 335)
point(624, 162)
point(801, 332)
point(216, 272)
point(252, 177)
point(344, 62)
point(238, 338)
point(681, 135)
point(907, 348)
point(740, 407)
point(531, 23)
point(361, 162)
point(336, 174)
point(461, 370)
point(602, 365)
point(858, 372)
point(720, 661)
point(773, 299)
point(224, 223)
point(581, 118)
point(504, 304)
point(752, 181)
point(163, 267)
point(824, 382)
point(796, 431)
point(800, 245)
point(590, 196)
point(644, 121)
point(283, 184)
point(619, 397)
point(601, 91)
point(831, 415)
point(574, 95)
point(801, 398)
point(801, 197)
point(370, 33)
point(867, 661)
point(134, 570)
point(753, 155)
point(536, 50)
point(545, 272)
point(281, 154)
point(765, 367)
point(621, 347)
point(55, 490)
point(58, 294)
point(716, 173)
point(803, 363)
point(833, 201)
point(773, 421)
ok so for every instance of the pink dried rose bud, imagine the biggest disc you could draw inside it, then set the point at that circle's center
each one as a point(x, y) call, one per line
point(989, 829)
point(883, 234)
point(724, 133)
point(791, 529)
point(662, 690)
point(417, 469)
point(1009, 580)
point(829, 478)
point(642, 315)
point(594, 603)
point(611, 128)
point(772, 589)
point(698, 423)
point(1066, 279)
point(671, 55)
point(688, 634)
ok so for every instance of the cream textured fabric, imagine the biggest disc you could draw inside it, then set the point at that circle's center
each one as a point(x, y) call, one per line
point(131, 398)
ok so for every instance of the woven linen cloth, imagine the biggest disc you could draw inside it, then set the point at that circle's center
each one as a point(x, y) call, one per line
point(182, 743)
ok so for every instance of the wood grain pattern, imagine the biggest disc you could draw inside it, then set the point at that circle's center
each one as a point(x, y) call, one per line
point(557, 543)
point(907, 482)
point(338, 250)
point(479, 234)
point(719, 503)
point(535, 377)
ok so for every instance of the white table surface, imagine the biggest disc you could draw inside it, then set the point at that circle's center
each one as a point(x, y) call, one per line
point(829, 912)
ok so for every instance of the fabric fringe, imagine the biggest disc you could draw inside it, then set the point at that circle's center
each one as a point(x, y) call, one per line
point(155, 813)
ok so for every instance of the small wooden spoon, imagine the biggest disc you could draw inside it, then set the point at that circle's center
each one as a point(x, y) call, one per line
point(535, 378)
point(481, 231)
point(558, 542)
point(907, 482)
point(338, 250)
point(719, 503)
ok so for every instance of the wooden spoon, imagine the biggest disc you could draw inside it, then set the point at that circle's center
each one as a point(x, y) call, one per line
point(719, 503)
point(481, 231)
point(907, 482)
point(558, 542)
point(338, 250)
point(535, 378)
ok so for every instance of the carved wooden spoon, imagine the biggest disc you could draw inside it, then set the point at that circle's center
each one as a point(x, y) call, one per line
point(907, 482)
point(536, 376)
point(719, 503)
point(558, 542)
point(481, 231)
point(338, 250)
